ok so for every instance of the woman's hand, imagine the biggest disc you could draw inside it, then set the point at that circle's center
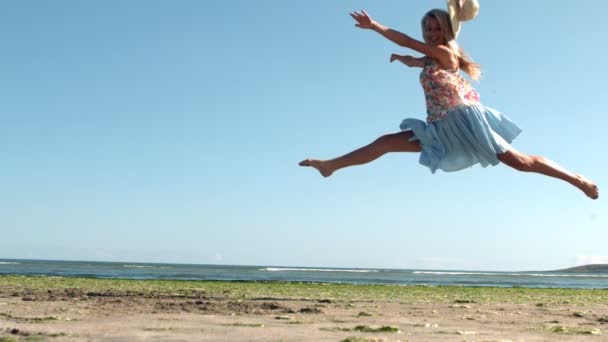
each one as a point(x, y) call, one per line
point(395, 57)
point(363, 19)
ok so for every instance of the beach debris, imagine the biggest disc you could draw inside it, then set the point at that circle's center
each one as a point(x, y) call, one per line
point(431, 325)
point(273, 306)
point(310, 310)
point(285, 318)
point(464, 301)
point(364, 314)
point(328, 301)
point(578, 314)
point(603, 319)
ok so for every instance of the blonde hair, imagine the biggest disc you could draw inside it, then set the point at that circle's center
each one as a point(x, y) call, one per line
point(464, 61)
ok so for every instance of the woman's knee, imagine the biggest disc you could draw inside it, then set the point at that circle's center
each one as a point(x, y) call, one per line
point(398, 142)
point(517, 160)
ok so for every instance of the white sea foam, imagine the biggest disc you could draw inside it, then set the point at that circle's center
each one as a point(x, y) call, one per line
point(454, 273)
point(280, 269)
point(513, 274)
point(138, 266)
point(8, 263)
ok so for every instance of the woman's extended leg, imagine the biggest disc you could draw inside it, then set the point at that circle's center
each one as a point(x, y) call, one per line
point(397, 142)
point(538, 164)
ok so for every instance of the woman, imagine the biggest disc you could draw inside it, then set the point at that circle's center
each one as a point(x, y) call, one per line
point(459, 131)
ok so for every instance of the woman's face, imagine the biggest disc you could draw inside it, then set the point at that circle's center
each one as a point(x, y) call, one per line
point(433, 35)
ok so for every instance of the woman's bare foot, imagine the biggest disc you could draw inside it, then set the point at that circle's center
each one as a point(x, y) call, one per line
point(587, 186)
point(320, 165)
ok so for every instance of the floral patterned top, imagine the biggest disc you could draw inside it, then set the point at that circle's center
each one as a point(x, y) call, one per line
point(445, 90)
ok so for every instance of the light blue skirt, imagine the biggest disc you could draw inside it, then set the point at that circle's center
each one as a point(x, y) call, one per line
point(467, 135)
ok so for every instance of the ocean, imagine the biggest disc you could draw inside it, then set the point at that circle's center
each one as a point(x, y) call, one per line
point(133, 270)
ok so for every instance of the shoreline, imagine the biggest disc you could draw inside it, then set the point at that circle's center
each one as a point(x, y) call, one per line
point(82, 309)
point(150, 271)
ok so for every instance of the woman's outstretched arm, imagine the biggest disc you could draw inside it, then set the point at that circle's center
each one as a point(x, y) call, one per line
point(410, 61)
point(442, 54)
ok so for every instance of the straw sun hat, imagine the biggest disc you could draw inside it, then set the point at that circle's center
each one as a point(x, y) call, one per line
point(461, 10)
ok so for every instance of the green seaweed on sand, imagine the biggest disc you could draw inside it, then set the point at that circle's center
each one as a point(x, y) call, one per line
point(159, 329)
point(30, 319)
point(35, 338)
point(61, 334)
point(361, 339)
point(372, 329)
point(234, 290)
point(367, 329)
point(249, 325)
point(7, 339)
point(559, 329)
point(335, 329)
point(459, 332)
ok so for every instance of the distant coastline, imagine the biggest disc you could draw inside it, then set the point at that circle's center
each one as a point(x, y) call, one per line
point(592, 268)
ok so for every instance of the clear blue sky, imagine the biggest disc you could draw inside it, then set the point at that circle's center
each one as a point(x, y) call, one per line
point(170, 131)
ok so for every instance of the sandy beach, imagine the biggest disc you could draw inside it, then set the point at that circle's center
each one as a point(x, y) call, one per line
point(63, 309)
